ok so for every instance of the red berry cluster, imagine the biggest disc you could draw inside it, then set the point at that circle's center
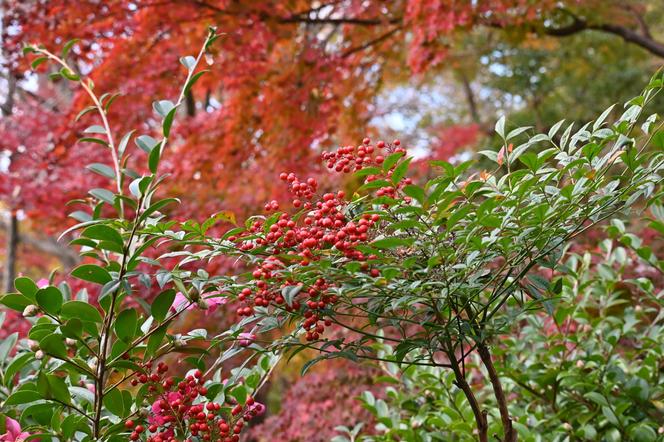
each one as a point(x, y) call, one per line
point(323, 226)
point(175, 413)
point(351, 159)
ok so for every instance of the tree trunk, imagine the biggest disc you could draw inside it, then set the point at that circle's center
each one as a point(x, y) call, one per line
point(480, 415)
point(485, 356)
point(10, 258)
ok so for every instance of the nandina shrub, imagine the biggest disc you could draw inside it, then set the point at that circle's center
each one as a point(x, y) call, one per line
point(588, 372)
point(436, 270)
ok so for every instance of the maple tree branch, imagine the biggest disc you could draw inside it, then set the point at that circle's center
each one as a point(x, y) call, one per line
point(340, 20)
point(318, 8)
point(302, 17)
point(579, 24)
point(651, 45)
point(373, 42)
point(645, 30)
point(48, 103)
point(46, 244)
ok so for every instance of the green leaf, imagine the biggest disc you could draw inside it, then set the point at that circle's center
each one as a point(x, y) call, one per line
point(163, 107)
point(103, 233)
point(81, 310)
point(400, 170)
point(73, 328)
point(113, 402)
point(7, 345)
point(598, 123)
point(310, 363)
point(168, 122)
point(153, 158)
point(50, 299)
point(155, 340)
point(54, 345)
point(367, 171)
point(69, 75)
point(37, 61)
point(642, 433)
point(161, 304)
point(16, 301)
point(391, 160)
point(122, 146)
point(490, 154)
point(596, 398)
point(16, 365)
point(58, 389)
point(193, 80)
point(95, 129)
point(415, 192)
point(146, 143)
point(390, 243)
point(102, 169)
point(239, 393)
point(26, 286)
point(500, 127)
point(81, 216)
point(126, 324)
point(93, 140)
point(67, 47)
point(92, 273)
point(22, 397)
point(516, 132)
point(155, 207)
point(110, 101)
point(104, 195)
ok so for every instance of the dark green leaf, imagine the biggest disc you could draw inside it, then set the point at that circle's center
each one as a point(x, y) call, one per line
point(22, 397)
point(390, 243)
point(391, 160)
point(104, 233)
point(162, 304)
point(53, 344)
point(26, 286)
point(168, 121)
point(113, 402)
point(16, 301)
point(153, 158)
point(58, 389)
point(126, 324)
point(92, 273)
point(50, 299)
point(81, 310)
